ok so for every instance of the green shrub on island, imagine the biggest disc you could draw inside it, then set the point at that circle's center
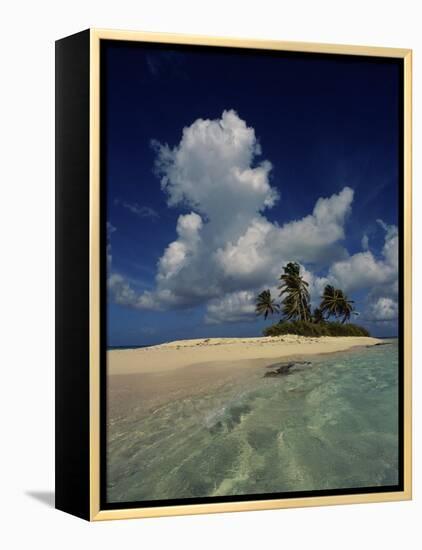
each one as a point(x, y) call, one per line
point(295, 307)
point(307, 328)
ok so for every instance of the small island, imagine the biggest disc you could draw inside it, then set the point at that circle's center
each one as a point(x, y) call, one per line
point(299, 333)
point(298, 317)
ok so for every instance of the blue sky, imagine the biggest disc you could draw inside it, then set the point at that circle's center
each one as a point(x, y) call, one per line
point(221, 167)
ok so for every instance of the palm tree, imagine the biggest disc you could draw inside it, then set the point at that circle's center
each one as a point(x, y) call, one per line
point(346, 306)
point(266, 305)
point(318, 316)
point(335, 302)
point(330, 302)
point(296, 294)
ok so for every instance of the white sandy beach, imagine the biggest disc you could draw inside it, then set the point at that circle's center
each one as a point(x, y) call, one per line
point(185, 353)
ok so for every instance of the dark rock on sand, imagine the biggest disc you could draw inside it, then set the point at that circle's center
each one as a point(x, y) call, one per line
point(284, 368)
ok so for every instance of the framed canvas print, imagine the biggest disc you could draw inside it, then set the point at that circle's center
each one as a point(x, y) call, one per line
point(233, 280)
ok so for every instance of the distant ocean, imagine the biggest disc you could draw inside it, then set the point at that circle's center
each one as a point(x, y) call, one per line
point(333, 425)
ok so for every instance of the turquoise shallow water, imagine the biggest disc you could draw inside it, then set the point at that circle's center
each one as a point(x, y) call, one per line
point(331, 425)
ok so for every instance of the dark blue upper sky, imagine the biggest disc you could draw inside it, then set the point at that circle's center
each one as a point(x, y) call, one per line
point(323, 122)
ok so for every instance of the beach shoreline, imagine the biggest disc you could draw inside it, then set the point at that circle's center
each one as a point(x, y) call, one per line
point(173, 356)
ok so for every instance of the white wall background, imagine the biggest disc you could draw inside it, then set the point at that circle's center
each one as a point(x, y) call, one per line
point(27, 35)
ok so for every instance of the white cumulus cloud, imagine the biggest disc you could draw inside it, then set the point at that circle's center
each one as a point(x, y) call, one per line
point(365, 270)
point(226, 248)
point(383, 309)
point(232, 308)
